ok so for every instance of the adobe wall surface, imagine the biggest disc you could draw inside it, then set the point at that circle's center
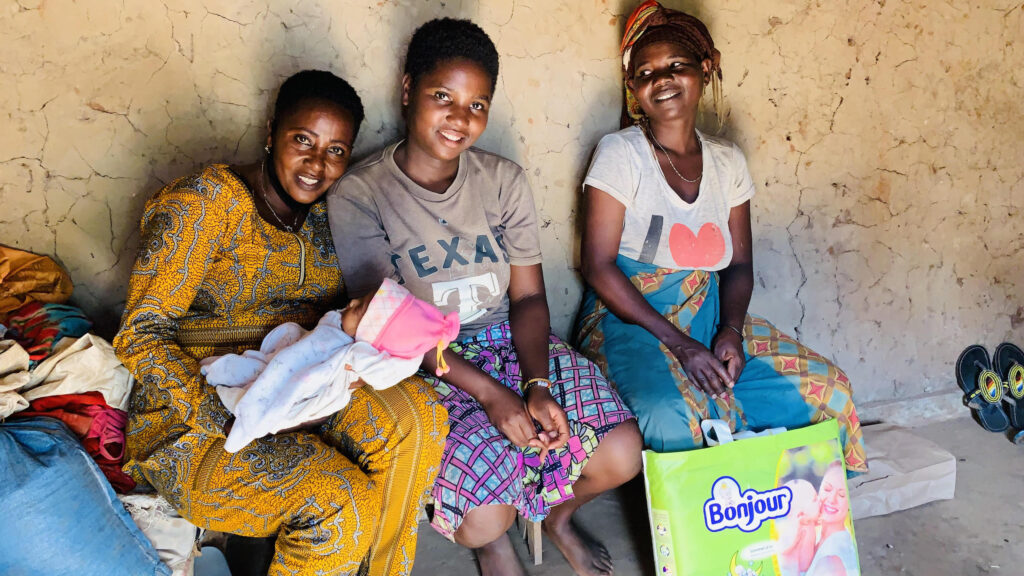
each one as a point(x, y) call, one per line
point(885, 139)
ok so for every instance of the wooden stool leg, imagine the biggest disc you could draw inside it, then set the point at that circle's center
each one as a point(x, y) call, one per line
point(531, 533)
point(534, 542)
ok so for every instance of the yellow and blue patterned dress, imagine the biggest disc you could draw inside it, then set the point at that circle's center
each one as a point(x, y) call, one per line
point(213, 277)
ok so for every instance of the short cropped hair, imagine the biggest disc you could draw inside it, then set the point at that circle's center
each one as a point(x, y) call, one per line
point(446, 39)
point(317, 85)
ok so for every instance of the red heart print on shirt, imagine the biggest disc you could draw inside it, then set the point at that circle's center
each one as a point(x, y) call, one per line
point(701, 251)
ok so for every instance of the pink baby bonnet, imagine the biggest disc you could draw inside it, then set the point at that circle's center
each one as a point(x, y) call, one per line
point(404, 326)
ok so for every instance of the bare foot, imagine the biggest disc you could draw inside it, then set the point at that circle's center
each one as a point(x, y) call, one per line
point(587, 556)
point(499, 559)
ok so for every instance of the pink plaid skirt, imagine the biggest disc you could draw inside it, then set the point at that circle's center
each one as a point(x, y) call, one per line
point(480, 466)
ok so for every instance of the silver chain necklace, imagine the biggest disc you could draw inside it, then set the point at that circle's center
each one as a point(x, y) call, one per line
point(263, 193)
point(672, 164)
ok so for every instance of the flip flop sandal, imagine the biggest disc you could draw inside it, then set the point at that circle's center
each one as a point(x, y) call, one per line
point(983, 389)
point(1008, 362)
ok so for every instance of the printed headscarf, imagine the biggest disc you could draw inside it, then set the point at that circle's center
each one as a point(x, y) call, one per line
point(652, 22)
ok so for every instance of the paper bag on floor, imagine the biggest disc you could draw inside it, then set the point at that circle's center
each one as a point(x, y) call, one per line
point(906, 471)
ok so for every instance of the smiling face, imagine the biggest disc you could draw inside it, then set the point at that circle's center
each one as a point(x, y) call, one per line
point(832, 496)
point(668, 80)
point(310, 148)
point(446, 109)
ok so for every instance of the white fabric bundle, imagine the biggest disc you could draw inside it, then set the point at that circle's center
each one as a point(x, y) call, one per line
point(297, 377)
point(76, 366)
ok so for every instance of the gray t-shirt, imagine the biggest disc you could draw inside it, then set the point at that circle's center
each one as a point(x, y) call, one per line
point(454, 249)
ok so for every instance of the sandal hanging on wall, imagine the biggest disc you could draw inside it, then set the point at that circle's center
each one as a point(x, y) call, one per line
point(1008, 361)
point(983, 388)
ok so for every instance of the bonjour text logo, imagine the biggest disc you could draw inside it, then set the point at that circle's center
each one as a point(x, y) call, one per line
point(731, 507)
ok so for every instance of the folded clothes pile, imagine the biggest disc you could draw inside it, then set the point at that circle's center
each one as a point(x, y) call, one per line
point(82, 384)
point(98, 427)
point(50, 365)
point(63, 401)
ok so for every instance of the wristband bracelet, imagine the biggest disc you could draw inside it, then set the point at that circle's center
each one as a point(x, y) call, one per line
point(542, 382)
point(734, 329)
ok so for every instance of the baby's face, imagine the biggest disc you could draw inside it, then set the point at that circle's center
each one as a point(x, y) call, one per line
point(803, 511)
point(353, 314)
point(805, 502)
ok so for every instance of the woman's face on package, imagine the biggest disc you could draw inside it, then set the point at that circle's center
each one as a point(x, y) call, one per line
point(310, 148)
point(833, 498)
point(447, 108)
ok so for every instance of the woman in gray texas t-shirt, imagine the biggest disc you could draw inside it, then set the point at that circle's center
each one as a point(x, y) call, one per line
point(535, 428)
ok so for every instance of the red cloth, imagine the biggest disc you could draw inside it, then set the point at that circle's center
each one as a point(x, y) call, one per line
point(99, 427)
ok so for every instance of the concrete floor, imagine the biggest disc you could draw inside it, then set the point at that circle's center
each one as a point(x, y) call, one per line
point(980, 532)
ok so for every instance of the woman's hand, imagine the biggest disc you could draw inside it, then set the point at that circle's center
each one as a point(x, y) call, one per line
point(551, 417)
point(728, 348)
point(505, 409)
point(701, 366)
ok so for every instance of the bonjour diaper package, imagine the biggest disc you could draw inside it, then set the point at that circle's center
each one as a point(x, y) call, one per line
point(765, 506)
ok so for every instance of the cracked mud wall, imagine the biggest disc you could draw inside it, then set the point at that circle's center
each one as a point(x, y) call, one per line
point(886, 139)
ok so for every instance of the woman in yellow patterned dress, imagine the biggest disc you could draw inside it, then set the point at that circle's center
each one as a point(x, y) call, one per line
point(226, 255)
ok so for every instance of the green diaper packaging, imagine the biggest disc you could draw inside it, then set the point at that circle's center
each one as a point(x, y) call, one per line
point(765, 506)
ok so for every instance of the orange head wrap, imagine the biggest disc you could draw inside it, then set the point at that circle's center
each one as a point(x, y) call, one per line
point(651, 22)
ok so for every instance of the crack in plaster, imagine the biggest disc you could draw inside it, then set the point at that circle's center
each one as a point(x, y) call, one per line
point(868, 90)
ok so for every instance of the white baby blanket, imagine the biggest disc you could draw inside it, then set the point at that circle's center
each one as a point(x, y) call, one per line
point(297, 377)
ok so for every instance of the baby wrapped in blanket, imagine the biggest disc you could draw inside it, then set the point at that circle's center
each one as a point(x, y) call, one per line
point(298, 376)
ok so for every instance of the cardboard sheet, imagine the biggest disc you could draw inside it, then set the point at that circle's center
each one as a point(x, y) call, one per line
point(906, 471)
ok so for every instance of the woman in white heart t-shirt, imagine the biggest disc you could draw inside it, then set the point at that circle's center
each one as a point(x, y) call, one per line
point(668, 262)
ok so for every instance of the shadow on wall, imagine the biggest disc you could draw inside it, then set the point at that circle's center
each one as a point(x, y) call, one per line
point(211, 98)
point(179, 89)
point(208, 83)
point(883, 136)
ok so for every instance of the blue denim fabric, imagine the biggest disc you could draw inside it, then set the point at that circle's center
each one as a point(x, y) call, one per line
point(60, 515)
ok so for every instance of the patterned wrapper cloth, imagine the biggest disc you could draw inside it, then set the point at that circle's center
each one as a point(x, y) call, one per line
point(38, 327)
point(784, 383)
